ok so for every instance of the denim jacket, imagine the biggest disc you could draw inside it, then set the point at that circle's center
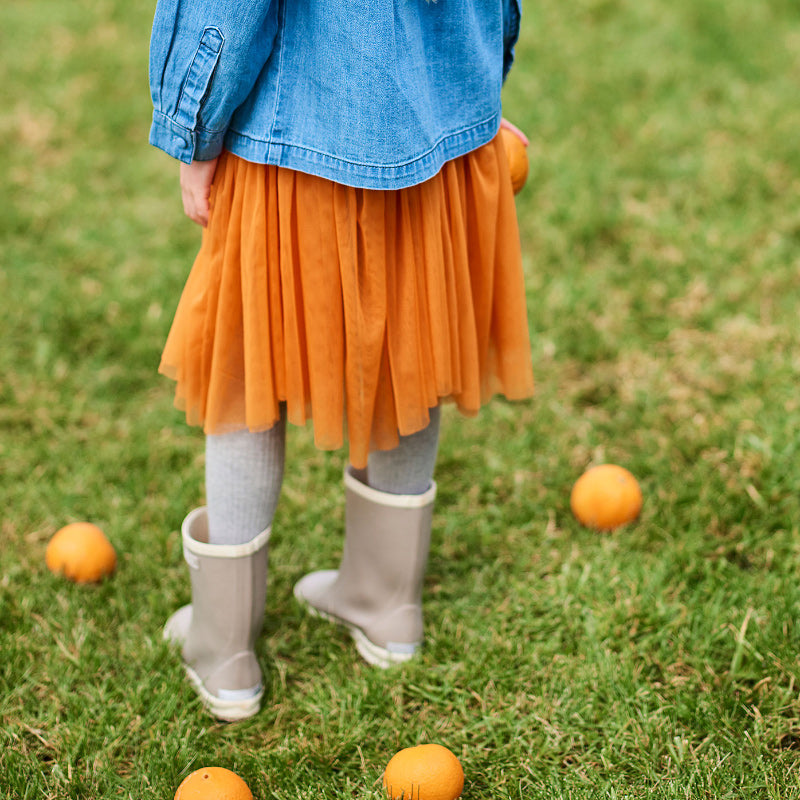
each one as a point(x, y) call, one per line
point(370, 93)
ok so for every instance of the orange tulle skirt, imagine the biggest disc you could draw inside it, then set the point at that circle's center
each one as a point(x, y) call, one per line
point(359, 309)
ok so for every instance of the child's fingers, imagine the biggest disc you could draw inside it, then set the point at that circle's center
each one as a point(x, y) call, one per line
point(195, 207)
point(196, 180)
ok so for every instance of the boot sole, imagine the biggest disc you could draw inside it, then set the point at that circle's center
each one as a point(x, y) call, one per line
point(372, 653)
point(246, 704)
point(226, 710)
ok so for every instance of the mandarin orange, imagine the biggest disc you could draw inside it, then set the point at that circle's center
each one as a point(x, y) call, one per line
point(81, 552)
point(424, 772)
point(605, 497)
point(517, 155)
point(213, 783)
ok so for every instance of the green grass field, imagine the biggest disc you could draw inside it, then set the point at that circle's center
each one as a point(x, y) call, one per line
point(661, 233)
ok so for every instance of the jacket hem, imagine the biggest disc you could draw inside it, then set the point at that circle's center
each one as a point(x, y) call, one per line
point(364, 175)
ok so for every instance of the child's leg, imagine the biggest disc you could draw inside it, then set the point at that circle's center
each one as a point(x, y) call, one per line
point(227, 549)
point(408, 468)
point(244, 472)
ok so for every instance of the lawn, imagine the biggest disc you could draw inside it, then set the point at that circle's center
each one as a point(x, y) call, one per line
point(661, 238)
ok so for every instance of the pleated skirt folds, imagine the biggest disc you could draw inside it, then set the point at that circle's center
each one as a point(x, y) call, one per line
point(357, 309)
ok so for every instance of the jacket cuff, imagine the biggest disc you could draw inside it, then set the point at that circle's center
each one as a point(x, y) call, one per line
point(173, 139)
point(181, 143)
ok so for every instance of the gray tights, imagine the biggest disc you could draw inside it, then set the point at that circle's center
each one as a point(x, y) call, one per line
point(244, 472)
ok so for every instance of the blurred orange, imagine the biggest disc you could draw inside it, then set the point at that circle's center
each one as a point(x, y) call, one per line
point(517, 155)
point(605, 497)
point(81, 552)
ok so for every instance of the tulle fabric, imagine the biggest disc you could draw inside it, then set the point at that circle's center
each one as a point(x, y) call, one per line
point(359, 309)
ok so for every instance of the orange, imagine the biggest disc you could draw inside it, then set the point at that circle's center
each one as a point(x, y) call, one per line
point(605, 497)
point(81, 552)
point(517, 156)
point(213, 783)
point(424, 772)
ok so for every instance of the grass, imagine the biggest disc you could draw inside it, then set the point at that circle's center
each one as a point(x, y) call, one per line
point(660, 228)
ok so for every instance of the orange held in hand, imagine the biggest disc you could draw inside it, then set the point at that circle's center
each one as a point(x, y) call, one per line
point(605, 497)
point(424, 772)
point(213, 783)
point(81, 552)
point(517, 155)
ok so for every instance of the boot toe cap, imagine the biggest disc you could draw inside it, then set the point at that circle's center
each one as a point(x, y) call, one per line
point(312, 588)
point(177, 627)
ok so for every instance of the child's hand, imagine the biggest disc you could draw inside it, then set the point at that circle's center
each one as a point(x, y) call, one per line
point(196, 180)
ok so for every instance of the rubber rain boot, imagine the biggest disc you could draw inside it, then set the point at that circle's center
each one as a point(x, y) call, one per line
point(377, 590)
point(218, 631)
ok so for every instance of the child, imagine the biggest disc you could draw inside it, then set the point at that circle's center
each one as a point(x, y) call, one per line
point(360, 264)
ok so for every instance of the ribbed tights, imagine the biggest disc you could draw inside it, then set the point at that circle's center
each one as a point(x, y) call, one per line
point(244, 473)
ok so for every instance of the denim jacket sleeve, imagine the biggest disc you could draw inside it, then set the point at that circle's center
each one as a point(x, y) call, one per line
point(512, 11)
point(205, 56)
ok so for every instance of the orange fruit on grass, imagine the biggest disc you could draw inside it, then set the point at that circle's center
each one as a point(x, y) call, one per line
point(213, 783)
point(517, 155)
point(605, 497)
point(424, 772)
point(81, 552)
